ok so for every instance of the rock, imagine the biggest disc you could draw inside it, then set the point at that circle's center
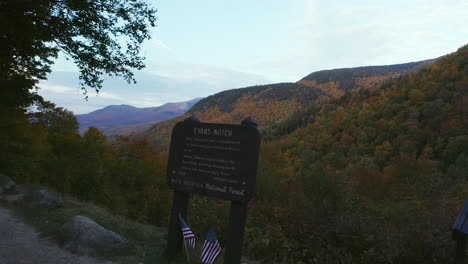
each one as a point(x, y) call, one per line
point(14, 198)
point(84, 236)
point(41, 199)
point(6, 184)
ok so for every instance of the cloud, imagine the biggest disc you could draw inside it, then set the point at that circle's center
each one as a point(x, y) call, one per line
point(146, 102)
point(158, 42)
point(336, 34)
point(210, 75)
point(56, 88)
point(106, 95)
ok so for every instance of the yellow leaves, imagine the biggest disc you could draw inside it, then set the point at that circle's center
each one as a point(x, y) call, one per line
point(366, 114)
point(331, 88)
point(383, 151)
point(374, 81)
point(427, 153)
point(416, 95)
point(262, 111)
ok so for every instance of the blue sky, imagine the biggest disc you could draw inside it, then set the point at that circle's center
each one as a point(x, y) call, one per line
point(203, 47)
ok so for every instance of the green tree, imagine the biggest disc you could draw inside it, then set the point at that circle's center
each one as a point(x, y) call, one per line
point(95, 153)
point(100, 36)
point(63, 165)
point(57, 119)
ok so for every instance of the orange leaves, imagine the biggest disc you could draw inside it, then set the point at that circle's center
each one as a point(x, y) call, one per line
point(262, 111)
point(347, 139)
point(450, 123)
point(374, 81)
point(372, 99)
point(331, 88)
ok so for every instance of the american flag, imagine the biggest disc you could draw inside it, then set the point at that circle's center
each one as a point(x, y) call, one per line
point(211, 248)
point(187, 233)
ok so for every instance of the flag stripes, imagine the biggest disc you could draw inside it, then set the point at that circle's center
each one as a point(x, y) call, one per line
point(187, 233)
point(211, 248)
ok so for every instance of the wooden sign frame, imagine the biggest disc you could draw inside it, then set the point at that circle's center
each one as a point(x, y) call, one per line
point(217, 160)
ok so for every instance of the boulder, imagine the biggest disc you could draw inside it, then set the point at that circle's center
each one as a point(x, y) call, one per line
point(41, 199)
point(14, 198)
point(6, 184)
point(84, 236)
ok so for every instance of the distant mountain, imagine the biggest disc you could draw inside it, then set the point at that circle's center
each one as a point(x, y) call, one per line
point(126, 119)
point(271, 105)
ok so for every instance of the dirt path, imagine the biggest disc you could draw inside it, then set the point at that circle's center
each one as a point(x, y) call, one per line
point(21, 244)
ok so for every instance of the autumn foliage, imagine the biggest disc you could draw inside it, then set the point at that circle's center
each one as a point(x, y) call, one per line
point(374, 173)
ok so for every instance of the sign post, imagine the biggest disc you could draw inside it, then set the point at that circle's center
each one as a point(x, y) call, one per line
point(174, 238)
point(216, 160)
point(237, 219)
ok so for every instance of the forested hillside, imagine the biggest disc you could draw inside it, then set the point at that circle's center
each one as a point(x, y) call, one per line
point(266, 104)
point(376, 175)
point(278, 106)
point(336, 82)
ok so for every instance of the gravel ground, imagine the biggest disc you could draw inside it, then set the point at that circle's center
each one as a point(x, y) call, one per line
point(21, 244)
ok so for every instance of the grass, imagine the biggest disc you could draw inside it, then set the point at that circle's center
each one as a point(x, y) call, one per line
point(149, 241)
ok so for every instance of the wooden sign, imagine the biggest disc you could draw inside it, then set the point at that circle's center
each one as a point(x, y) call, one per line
point(217, 160)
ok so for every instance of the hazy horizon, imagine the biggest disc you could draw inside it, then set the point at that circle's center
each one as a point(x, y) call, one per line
point(202, 48)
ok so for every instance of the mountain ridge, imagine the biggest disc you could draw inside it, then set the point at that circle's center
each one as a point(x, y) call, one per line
point(125, 119)
point(336, 81)
point(271, 104)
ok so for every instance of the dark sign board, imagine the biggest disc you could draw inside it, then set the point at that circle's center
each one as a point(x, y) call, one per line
point(218, 160)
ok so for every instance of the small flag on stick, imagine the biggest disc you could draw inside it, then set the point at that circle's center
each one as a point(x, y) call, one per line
point(211, 248)
point(187, 233)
